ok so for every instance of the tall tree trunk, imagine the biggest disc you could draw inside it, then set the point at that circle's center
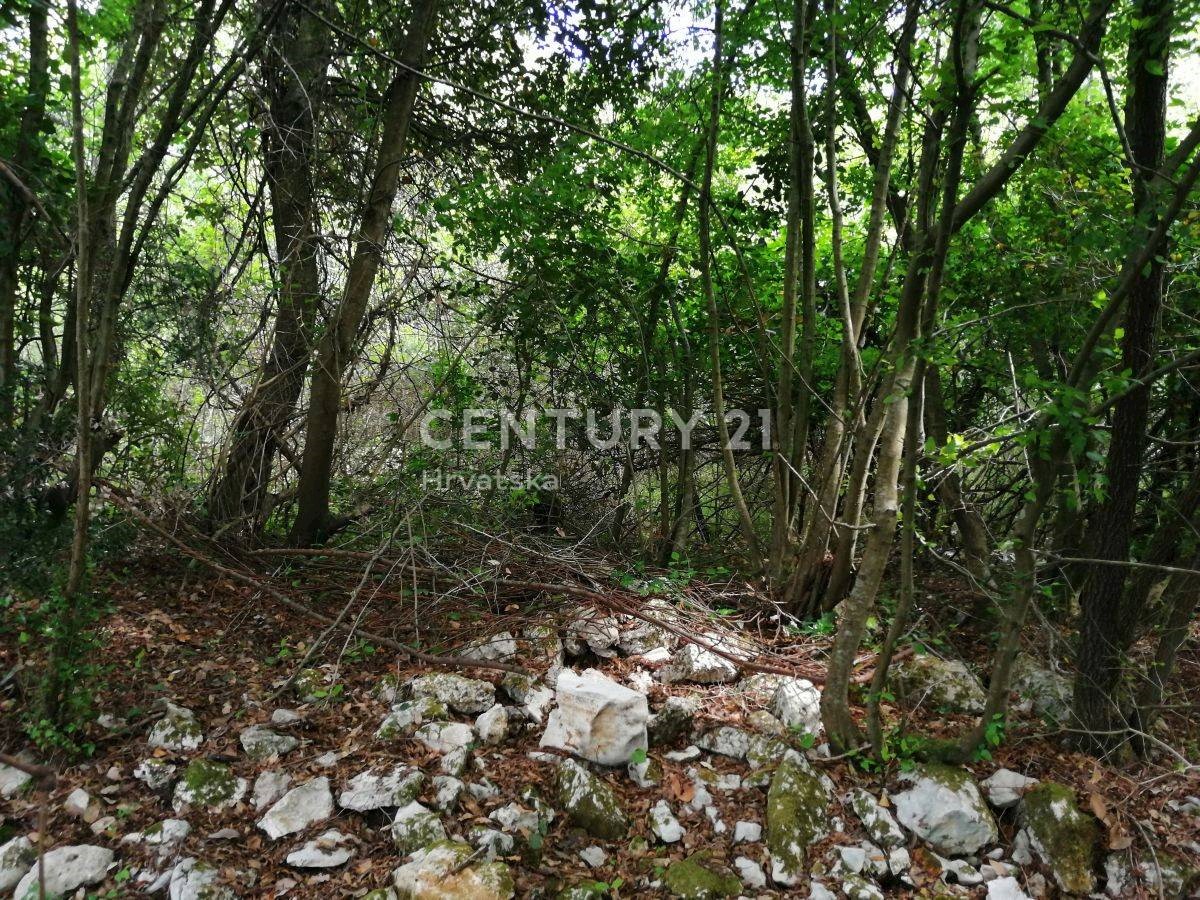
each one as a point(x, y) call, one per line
point(797, 277)
point(294, 71)
point(13, 207)
point(336, 345)
point(746, 524)
point(1104, 618)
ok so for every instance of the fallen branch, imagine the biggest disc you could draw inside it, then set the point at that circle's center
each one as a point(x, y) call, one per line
point(431, 659)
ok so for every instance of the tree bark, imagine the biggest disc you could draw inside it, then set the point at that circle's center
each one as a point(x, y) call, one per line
point(336, 344)
point(1104, 618)
point(294, 70)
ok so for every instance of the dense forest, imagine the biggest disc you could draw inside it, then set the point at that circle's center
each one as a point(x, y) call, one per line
point(615, 449)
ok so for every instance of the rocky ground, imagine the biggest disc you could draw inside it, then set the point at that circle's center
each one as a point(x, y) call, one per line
point(631, 765)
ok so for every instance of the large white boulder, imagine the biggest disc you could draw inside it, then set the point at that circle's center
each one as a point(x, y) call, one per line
point(297, 809)
point(945, 809)
point(67, 868)
point(596, 718)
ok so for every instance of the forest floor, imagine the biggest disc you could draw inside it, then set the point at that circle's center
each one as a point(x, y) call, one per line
point(178, 633)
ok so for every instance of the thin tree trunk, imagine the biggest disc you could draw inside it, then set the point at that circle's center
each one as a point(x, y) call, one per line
point(335, 347)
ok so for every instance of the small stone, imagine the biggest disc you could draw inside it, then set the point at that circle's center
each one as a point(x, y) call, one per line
point(1004, 788)
point(442, 737)
point(878, 821)
point(177, 730)
point(260, 742)
point(672, 722)
point(899, 861)
point(103, 824)
point(415, 827)
point(67, 868)
point(645, 773)
point(664, 824)
point(856, 887)
point(492, 725)
point(747, 832)
point(327, 851)
point(695, 664)
point(687, 754)
point(655, 657)
point(404, 718)
point(1049, 692)
point(959, 871)
point(269, 787)
point(818, 891)
point(368, 790)
point(225, 834)
point(192, 879)
point(599, 635)
point(851, 860)
point(463, 695)
point(328, 760)
point(593, 856)
point(750, 872)
point(154, 773)
point(77, 804)
point(454, 762)
point(299, 808)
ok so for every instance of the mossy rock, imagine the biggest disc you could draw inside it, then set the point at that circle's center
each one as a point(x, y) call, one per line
point(695, 878)
point(312, 686)
point(210, 784)
point(1065, 838)
point(796, 816)
point(589, 802)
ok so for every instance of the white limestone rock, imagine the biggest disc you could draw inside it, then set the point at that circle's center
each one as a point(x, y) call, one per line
point(492, 725)
point(369, 790)
point(939, 683)
point(177, 730)
point(597, 634)
point(945, 809)
point(797, 704)
point(1004, 788)
point(463, 695)
point(192, 879)
point(597, 719)
point(67, 868)
point(261, 742)
point(15, 859)
point(445, 871)
point(878, 821)
point(156, 774)
point(299, 808)
point(415, 827)
point(443, 737)
point(664, 824)
point(327, 851)
point(750, 872)
point(210, 785)
point(446, 792)
point(747, 832)
point(499, 647)
point(695, 664)
point(1005, 889)
point(269, 787)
